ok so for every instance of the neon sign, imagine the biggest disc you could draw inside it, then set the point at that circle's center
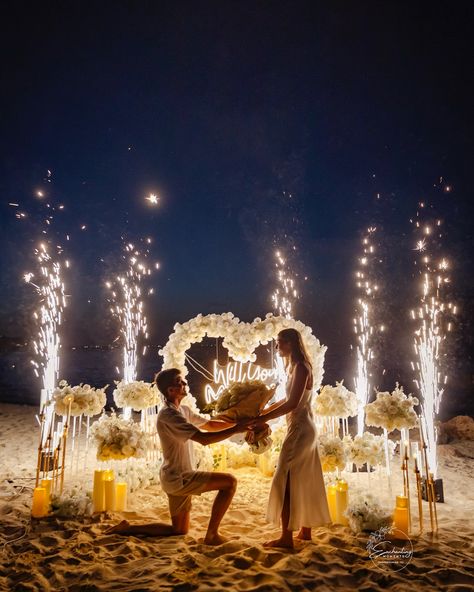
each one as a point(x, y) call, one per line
point(223, 376)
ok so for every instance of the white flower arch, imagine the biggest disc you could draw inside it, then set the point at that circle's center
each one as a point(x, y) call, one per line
point(239, 338)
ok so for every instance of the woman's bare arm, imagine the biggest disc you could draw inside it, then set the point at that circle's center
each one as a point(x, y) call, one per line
point(298, 385)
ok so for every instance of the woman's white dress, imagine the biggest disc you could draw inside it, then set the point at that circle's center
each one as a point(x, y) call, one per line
point(299, 459)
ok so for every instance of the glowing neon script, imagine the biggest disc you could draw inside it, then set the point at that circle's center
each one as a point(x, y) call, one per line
point(236, 372)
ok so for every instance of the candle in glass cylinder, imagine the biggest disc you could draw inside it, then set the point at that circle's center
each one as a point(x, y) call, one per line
point(331, 495)
point(341, 502)
point(38, 507)
point(98, 493)
point(400, 515)
point(120, 497)
point(109, 490)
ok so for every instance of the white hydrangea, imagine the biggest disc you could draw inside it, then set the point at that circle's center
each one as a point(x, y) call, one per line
point(336, 401)
point(118, 438)
point(392, 411)
point(83, 399)
point(367, 448)
point(366, 513)
point(137, 394)
point(332, 453)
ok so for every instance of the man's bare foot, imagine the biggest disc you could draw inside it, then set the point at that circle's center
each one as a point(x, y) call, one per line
point(119, 528)
point(304, 534)
point(214, 539)
point(281, 543)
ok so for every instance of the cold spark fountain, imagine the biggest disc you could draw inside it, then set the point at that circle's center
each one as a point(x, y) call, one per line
point(363, 323)
point(434, 318)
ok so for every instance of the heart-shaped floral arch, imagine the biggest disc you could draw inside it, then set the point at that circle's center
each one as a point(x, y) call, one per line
point(239, 338)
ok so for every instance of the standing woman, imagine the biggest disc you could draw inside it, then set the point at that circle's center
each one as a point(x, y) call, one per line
point(298, 496)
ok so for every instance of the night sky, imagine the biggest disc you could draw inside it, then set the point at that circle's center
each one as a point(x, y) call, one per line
point(260, 125)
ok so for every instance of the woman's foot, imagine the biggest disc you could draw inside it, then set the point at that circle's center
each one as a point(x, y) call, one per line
point(283, 543)
point(214, 539)
point(119, 528)
point(304, 534)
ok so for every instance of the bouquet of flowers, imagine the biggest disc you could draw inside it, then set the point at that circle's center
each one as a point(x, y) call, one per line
point(392, 411)
point(367, 514)
point(332, 453)
point(118, 438)
point(83, 399)
point(245, 400)
point(136, 394)
point(367, 448)
point(336, 401)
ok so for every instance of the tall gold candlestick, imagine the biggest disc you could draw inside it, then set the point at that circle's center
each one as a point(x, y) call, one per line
point(429, 492)
point(433, 497)
point(418, 491)
point(407, 478)
point(64, 438)
point(40, 447)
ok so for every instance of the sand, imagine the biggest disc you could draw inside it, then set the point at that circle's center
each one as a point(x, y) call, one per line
point(76, 555)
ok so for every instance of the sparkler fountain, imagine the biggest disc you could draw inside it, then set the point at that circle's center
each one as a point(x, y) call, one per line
point(127, 306)
point(434, 318)
point(363, 323)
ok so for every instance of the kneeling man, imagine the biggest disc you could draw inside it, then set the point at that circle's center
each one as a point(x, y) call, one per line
point(178, 427)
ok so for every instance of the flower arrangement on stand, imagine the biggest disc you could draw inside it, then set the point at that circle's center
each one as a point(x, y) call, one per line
point(138, 395)
point(335, 404)
point(117, 438)
point(332, 453)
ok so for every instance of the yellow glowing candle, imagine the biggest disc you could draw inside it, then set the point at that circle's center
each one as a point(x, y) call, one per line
point(400, 515)
point(109, 490)
point(331, 495)
point(47, 483)
point(98, 493)
point(38, 507)
point(120, 497)
point(341, 502)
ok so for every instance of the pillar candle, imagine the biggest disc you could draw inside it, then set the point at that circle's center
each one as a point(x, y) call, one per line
point(38, 507)
point(400, 515)
point(109, 491)
point(341, 502)
point(47, 483)
point(98, 493)
point(331, 495)
point(120, 497)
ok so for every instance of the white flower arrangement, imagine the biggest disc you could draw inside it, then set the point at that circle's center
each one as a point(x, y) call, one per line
point(239, 455)
point(139, 474)
point(239, 338)
point(392, 411)
point(336, 401)
point(137, 394)
point(72, 503)
point(365, 513)
point(332, 453)
point(203, 458)
point(117, 438)
point(83, 399)
point(367, 448)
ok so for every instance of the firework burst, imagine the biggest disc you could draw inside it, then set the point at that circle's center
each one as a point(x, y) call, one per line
point(285, 293)
point(367, 288)
point(434, 319)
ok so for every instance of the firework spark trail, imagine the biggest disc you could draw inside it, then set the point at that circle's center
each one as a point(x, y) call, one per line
point(128, 308)
point(285, 294)
point(433, 316)
point(363, 325)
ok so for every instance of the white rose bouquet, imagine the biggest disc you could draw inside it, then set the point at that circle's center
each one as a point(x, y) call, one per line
point(118, 438)
point(137, 394)
point(245, 400)
point(332, 453)
point(367, 514)
point(367, 448)
point(392, 411)
point(336, 401)
point(83, 398)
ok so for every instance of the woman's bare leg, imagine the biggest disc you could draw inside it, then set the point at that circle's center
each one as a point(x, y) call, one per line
point(304, 534)
point(286, 539)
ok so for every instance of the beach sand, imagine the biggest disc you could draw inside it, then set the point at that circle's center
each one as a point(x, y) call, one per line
point(76, 554)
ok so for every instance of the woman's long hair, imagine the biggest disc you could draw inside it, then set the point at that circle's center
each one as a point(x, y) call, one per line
point(298, 349)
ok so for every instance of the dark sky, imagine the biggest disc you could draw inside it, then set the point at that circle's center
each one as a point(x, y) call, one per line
point(226, 109)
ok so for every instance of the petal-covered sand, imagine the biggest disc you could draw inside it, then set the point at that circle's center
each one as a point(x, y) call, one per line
point(64, 554)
